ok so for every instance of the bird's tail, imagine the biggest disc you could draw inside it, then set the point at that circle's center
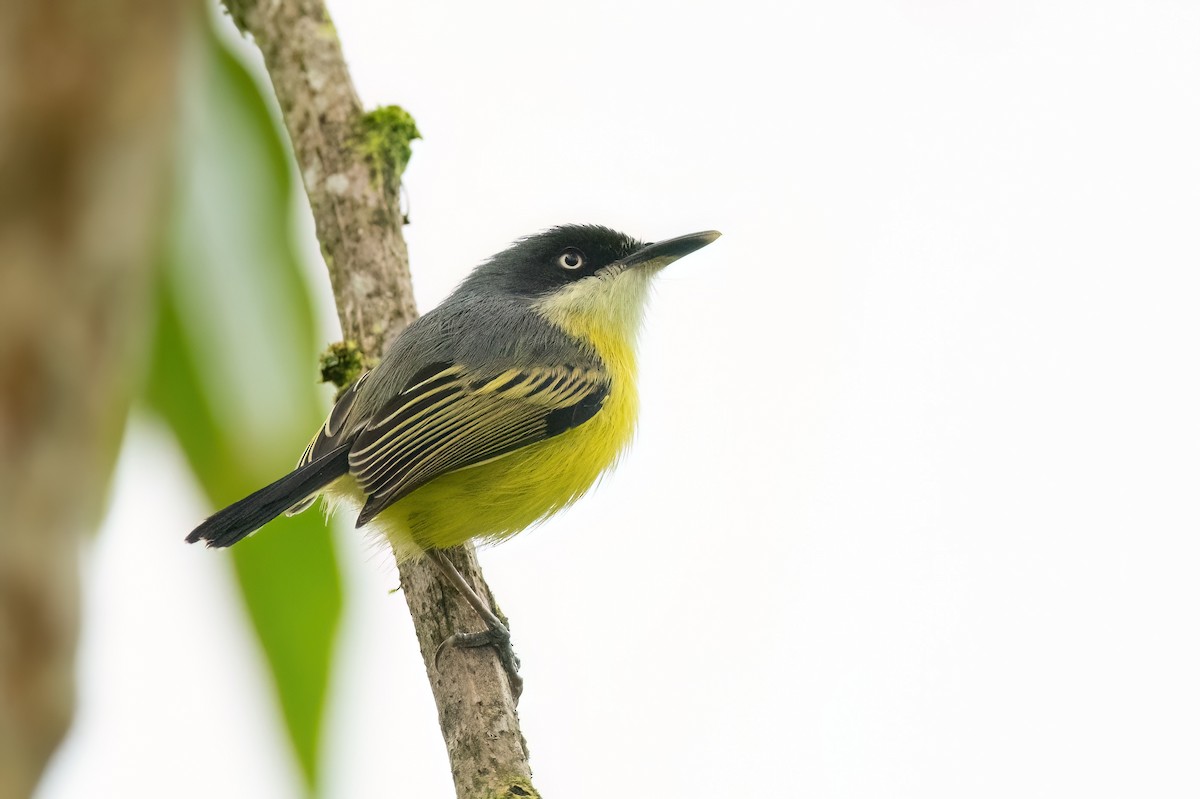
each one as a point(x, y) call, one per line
point(229, 525)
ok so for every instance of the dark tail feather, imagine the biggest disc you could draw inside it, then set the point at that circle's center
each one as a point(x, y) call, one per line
point(229, 525)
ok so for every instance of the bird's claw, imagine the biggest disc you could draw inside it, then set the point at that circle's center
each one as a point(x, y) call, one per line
point(501, 640)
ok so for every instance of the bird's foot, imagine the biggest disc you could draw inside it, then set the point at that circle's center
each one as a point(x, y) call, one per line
point(501, 640)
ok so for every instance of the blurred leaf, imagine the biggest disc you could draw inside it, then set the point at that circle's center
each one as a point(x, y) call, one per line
point(234, 371)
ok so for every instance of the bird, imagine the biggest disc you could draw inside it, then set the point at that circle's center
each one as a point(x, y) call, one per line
point(493, 411)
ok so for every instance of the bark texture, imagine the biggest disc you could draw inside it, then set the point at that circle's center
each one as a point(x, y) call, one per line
point(86, 108)
point(357, 215)
point(359, 224)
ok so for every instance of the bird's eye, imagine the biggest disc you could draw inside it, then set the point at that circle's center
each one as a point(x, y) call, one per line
point(571, 259)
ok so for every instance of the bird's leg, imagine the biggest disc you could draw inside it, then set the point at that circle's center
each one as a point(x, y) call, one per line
point(496, 634)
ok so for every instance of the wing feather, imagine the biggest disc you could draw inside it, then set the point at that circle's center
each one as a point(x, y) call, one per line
point(455, 418)
point(331, 435)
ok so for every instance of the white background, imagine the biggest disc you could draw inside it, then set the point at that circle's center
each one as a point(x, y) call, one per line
point(913, 507)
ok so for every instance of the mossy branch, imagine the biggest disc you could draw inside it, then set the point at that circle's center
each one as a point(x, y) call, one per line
point(385, 138)
point(341, 364)
point(351, 163)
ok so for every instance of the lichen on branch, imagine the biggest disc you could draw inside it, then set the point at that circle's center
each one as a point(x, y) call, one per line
point(341, 364)
point(384, 140)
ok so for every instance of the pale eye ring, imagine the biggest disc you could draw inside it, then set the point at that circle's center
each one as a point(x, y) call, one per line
point(571, 259)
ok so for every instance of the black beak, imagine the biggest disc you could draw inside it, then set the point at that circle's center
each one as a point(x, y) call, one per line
point(661, 253)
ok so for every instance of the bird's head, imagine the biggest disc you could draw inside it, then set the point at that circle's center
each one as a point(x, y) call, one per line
point(583, 275)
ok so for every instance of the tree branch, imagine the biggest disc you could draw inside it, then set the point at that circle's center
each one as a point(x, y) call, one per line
point(359, 224)
point(86, 103)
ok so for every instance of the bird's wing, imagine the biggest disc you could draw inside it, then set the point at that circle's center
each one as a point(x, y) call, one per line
point(450, 417)
point(331, 435)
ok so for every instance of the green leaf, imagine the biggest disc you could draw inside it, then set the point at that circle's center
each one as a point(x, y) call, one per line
point(234, 369)
point(294, 596)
